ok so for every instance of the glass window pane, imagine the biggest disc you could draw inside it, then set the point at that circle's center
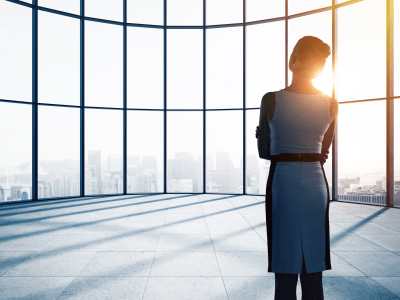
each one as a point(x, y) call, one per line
point(362, 152)
point(224, 11)
point(185, 68)
point(70, 6)
point(261, 9)
point(185, 159)
point(59, 59)
point(265, 60)
point(396, 49)
point(103, 147)
point(15, 152)
point(145, 65)
point(145, 162)
point(184, 12)
point(105, 9)
point(296, 6)
point(103, 65)
point(224, 152)
point(59, 152)
point(397, 152)
point(224, 70)
point(257, 169)
point(15, 52)
point(361, 68)
point(320, 26)
point(146, 12)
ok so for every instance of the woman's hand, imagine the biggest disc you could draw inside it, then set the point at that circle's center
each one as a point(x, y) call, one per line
point(324, 156)
point(257, 131)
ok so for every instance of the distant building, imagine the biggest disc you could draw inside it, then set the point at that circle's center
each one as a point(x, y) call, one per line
point(94, 163)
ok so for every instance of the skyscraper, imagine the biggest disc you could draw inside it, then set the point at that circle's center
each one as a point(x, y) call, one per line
point(94, 162)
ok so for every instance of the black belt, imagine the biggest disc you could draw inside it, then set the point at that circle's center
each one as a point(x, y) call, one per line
point(297, 157)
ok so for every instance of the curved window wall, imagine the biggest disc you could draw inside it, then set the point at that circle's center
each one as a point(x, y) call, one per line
point(163, 96)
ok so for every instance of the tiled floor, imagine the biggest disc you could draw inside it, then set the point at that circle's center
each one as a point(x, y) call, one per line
point(181, 247)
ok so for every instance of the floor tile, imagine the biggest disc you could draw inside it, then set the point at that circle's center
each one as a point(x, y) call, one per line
point(29, 242)
point(348, 241)
point(185, 209)
point(185, 288)
point(238, 242)
point(79, 242)
point(230, 217)
point(230, 228)
point(254, 288)
point(367, 228)
point(243, 263)
point(185, 264)
point(32, 288)
point(390, 283)
point(185, 228)
point(182, 218)
point(185, 242)
point(132, 242)
point(118, 264)
point(139, 228)
point(260, 217)
point(380, 218)
point(52, 264)
point(354, 288)
point(373, 263)
point(394, 226)
point(341, 267)
point(9, 260)
point(98, 288)
point(389, 242)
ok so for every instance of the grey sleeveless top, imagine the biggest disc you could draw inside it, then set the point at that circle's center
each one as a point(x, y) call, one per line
point(299, 122)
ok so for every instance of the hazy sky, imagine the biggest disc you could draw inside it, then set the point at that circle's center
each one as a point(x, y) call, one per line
point(361, 74)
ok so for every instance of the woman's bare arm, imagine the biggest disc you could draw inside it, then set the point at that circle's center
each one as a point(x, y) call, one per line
point(328, 137)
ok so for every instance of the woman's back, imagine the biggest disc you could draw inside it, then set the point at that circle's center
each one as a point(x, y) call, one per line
point(299, 122)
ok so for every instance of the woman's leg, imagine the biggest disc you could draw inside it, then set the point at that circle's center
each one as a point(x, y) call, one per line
point(311, 285)
point(285, 286)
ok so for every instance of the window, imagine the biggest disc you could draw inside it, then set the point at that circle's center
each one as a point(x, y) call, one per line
point(361, 68)
point(59, 152)
point(224, 69)
point(265, 60)
point(15, 52)
point(146, 12)
point(184, 152)
point(15, 152)
point(103, 147)
point(145, 160)
point(59, 59)
point(103, 65)
point(184, 12)
point(145, 65)
point(362, 140)
point(224, 151)
point(185, 69)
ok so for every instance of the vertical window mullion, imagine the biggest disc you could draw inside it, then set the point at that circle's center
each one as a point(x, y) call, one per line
point(35, 100)
point(124, 150)
point(204, 100)
point(165, 96)
point(82, 100)
point(244, 97)
point(286, 43)
point(334, 95)
point(389, 104)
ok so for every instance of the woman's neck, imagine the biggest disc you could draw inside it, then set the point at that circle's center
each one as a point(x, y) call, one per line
point(301, 84)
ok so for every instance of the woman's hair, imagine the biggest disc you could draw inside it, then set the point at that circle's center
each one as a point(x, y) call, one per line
point(309, 47)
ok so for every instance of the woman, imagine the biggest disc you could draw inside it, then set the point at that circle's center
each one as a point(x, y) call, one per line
point(301, 121)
